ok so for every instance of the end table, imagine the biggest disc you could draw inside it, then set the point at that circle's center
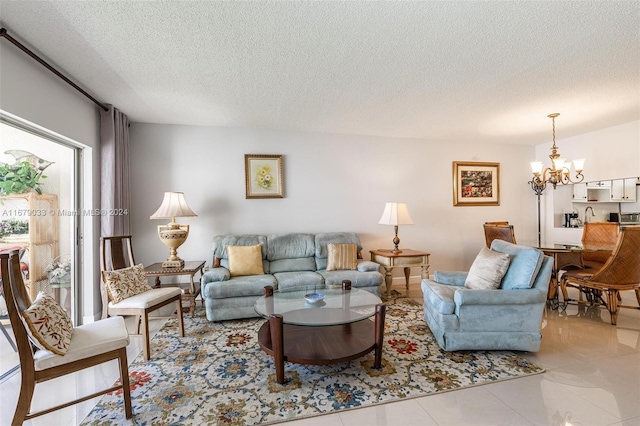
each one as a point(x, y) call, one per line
point(406, 259)
point(190, 291)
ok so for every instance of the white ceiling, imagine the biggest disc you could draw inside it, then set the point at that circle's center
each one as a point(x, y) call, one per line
point(487, 71)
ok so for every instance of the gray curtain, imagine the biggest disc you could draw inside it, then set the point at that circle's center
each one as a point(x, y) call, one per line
point(114, 173)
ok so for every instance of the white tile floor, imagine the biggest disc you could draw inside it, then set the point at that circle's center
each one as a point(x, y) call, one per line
point(592, 378)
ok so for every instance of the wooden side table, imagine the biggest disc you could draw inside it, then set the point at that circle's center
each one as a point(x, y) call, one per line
point(189, 292)
point(407, 259)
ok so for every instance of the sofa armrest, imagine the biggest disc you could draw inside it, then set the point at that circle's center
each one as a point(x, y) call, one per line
point(368, 266)
point(215, 274)
point(465, 296)
point(450, 277)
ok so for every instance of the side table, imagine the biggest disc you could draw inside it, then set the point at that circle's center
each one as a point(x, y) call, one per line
point(406, 259)
point(190, 292)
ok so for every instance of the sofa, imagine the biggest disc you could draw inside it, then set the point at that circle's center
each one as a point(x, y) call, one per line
point(505, 318)
point(290, 262)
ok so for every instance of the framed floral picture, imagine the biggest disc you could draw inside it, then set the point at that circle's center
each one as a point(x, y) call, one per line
point(263, 175)
point(476, 184)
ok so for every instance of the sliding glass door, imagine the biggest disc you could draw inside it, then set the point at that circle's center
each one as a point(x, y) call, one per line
point(39, 216)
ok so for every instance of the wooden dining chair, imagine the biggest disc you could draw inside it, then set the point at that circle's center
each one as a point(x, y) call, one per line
point(621, 272)
point(116, 257)
point(596, 233)
point(494, 231)
point(89, 345)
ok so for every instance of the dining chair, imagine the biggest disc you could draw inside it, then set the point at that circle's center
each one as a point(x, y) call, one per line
point(621, 272)
point(134, 298)
point(495, 231)
point(87, 345)
point(595, 233)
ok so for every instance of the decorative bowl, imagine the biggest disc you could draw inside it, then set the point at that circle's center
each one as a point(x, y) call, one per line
point(314, 297)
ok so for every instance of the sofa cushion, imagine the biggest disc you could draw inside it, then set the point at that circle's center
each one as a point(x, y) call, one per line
point(220, 243)
point(358, 279)
point(487, 270)
point(290, 246)
point(245, 260)
point(524, 266)
point(323, 240)
point(299, 280)
point(292, 265)
point(342, 257)
point(250, 285)
point(126, 282)
point(48, 325)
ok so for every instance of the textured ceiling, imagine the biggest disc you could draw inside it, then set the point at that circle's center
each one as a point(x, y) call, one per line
point(436, 70)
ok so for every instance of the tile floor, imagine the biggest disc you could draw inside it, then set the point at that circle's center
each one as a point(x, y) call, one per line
point(592, 378)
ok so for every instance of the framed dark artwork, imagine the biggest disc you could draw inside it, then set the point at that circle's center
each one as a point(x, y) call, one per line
point(476, 184)
point(263, 176)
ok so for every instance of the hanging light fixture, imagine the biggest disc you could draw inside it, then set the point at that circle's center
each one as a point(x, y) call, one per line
point(560, 170)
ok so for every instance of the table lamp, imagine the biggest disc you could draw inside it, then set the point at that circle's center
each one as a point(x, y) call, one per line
point(395, 214)
point(173, 235)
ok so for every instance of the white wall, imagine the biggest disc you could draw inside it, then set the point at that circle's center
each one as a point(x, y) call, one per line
point(31, 92)
point(332, 183)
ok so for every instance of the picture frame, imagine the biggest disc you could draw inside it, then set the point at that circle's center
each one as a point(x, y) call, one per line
point(476, 184)
point(263, 176)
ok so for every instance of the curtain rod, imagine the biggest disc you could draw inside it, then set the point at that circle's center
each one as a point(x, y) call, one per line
point(5, 34)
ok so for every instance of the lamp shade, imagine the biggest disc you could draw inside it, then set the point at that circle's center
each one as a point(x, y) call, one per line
point(395, 214)
point(173, 205)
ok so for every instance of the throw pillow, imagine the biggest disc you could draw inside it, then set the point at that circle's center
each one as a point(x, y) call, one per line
point(126, 282)
point(245, 260)
point(342, 257)
point(48, 325)
point(487, 270)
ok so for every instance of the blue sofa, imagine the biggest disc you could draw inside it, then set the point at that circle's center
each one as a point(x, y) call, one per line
point(290, 262)
point(507, 318)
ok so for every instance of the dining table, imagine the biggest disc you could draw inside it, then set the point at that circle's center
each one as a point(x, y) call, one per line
point(566, 256)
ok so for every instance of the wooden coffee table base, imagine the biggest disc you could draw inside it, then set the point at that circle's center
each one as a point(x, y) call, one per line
point(321, 345)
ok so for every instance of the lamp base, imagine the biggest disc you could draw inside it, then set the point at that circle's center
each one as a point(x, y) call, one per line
point(173, 263)
point(396, 251)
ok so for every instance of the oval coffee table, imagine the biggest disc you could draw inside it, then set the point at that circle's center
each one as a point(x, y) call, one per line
point(332, 331)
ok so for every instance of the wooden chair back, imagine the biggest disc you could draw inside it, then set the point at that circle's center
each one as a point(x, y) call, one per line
point(623, 266)
point(498, 232)
point(599, 233)
point(116, 253)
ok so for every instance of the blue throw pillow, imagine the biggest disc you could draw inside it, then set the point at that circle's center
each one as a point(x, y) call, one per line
point(524, 266)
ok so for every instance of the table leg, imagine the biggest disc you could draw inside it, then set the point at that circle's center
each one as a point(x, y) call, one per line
point(379, 330)
point(192, 301)
point(388, 278)
point(157, 281)
point(277, 340)
point(407, 274)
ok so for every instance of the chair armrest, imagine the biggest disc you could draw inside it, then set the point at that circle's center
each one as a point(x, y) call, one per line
point(215, 274)
point(368, 266)
point(465, 296)
point(450, 277)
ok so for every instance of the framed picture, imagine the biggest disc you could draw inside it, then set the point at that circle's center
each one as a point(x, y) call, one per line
point(263, 175)
point(476, 184)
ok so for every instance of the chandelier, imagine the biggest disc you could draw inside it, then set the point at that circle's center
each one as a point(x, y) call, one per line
point(560, 170)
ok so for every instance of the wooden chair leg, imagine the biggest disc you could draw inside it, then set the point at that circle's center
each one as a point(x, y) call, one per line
point(138, 323)
point(638, 296)
point(146, 349)
point(27, 388)
point(180, 318)
point(124, 378)
point(612, 304)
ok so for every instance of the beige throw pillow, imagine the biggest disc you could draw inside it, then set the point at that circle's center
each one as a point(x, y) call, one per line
point(342, 257)
point(487, 270)
point(48, 325)
point(245, 260)
point(126, 282)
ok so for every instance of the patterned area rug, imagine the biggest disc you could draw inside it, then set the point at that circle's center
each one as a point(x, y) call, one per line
point(218, 375)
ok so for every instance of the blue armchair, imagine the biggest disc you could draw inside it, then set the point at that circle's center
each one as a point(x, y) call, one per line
point(507, 318)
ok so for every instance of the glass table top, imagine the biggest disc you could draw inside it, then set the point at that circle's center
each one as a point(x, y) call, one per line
point(337, 307)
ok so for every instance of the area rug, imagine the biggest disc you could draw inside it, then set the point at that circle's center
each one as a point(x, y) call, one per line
point(218, 375)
